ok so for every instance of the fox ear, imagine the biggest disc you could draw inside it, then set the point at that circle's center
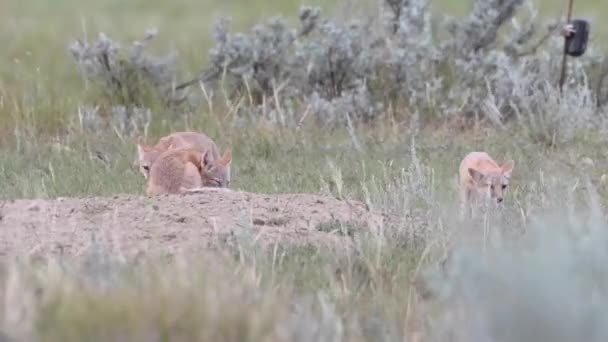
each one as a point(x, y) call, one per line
point(165, 143)
point(205, 161)
point(141, 143)
point(476, 175)
point(226, 158)
point(141, 149)
point(210, 159)
point(507, 167)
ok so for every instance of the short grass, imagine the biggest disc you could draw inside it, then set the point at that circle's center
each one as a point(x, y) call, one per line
point(247, 293)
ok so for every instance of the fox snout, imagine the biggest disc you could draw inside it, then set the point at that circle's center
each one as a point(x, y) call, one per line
point(498, 197)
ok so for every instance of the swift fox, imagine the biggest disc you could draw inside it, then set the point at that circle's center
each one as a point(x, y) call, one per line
point(191, 140)
point(481, 179)
point(181, 169)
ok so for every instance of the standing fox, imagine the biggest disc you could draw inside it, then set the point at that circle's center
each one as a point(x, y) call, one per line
point(179, 170)
point(217, 168)
point(482, 180)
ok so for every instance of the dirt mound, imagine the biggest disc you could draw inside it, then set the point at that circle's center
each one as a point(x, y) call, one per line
point(130, 224)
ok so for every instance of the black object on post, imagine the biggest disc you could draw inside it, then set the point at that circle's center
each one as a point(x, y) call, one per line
point(576, 43)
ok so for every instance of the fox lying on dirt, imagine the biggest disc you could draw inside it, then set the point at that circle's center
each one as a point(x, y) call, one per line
point(180, 170)
point(218, 170)
point(482, 180)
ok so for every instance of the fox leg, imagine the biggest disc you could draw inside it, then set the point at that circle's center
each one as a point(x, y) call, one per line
point(474, 210)
point(472, 203)
point(153, 190)
point(191, 178)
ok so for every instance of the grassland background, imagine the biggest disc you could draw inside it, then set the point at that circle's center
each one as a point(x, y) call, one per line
point(40, 156)
point(40, 90)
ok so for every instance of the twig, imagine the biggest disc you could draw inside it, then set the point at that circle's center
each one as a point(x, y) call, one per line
point(204, 77)
point(540, 43)
point(600, 85)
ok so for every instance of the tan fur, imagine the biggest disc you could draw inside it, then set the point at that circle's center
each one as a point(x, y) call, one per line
point(148, 154)
point(218, 167)
point(175, 170)
point(217, 172)
point(481, 179)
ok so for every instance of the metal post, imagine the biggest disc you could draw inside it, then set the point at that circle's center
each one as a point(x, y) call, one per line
point(562, 78)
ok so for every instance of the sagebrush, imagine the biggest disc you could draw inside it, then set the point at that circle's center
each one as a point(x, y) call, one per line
point(496, 63)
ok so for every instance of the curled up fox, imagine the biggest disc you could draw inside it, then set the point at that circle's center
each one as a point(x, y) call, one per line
point(482, 181)
point(182, 162)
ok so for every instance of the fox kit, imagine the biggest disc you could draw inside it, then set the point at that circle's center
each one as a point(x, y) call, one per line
point(191, 140)
point(179, 170)
point(482, 180)
point(175, 170)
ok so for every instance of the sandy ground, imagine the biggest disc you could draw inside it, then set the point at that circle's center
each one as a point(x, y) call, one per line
point(169, 223)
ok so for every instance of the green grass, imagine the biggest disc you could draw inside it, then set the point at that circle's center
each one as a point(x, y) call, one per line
point(247, 293)
point(105, 165)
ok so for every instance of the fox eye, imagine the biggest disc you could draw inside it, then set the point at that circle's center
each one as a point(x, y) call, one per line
point(491, 187)
point(504, 186)
point(146, 167)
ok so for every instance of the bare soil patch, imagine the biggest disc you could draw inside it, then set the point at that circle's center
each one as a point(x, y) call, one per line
point(165, 224)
